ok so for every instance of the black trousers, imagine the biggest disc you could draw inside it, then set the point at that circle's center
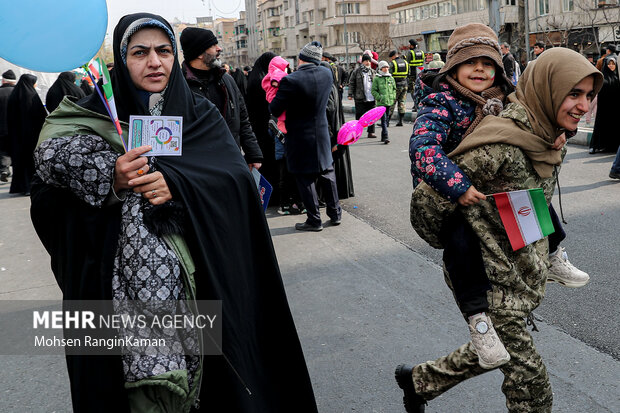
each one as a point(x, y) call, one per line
point(463, 260)
point(306, 183)
point(363, 107)
point(559, 234)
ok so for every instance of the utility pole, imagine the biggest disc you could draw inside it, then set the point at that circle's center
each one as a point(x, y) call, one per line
point(346, 36)
point(527, 30)
point(494, 19)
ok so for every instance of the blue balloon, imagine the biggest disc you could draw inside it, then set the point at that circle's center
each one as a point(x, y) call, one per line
point(52, 36)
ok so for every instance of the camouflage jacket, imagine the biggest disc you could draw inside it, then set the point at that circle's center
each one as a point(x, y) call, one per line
point(518, 277)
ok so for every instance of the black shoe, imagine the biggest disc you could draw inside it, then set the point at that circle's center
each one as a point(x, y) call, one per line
point(385, 140)
point(614, 175)
point(322, 204)
point(413, 402)
point(4, 177)
point(335, 221)
point(304, 226)
point(372, 136)
point(400, 119)
point(399, 123)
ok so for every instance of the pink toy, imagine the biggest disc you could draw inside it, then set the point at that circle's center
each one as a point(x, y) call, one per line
point(372, 116)
point(349, 133)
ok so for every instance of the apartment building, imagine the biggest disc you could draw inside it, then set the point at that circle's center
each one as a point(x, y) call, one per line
point(579, 24)
point(430, 22)
point(285, 26)
point(240, 39)
point(583, 25)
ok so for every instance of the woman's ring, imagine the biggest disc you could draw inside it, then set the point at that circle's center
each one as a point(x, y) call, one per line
point(153, 193)
point(140, 172)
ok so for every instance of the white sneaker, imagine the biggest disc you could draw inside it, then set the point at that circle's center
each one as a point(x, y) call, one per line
point(565, 273)
point(490, 349)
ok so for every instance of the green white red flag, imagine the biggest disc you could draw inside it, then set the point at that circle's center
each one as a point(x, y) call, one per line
point(109, 95)
point(525, 216)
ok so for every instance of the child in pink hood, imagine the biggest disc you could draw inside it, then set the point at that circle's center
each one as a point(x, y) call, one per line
point(271, 81)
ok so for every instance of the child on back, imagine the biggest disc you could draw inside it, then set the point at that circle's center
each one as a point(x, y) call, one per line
point(271, 82)
point(453, 101)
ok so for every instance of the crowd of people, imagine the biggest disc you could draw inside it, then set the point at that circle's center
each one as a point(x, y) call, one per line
point(122, 216)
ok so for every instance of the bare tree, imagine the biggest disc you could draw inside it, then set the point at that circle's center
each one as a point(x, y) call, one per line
point(375, 37)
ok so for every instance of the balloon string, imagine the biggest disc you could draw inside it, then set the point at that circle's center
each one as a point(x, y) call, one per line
point(105, 103)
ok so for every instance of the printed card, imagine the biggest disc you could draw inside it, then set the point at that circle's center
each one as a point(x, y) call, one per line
point(163, 133)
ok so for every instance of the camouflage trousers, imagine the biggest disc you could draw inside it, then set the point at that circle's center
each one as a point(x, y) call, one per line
point(401, 98)
point(526, 383)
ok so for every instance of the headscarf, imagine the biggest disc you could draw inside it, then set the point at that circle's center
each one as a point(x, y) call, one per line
point(63, 86)
point(611, 78)
point(86, 88)
point(541, 90)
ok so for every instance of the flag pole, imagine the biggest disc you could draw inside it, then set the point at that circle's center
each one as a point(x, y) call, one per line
point(105, 103)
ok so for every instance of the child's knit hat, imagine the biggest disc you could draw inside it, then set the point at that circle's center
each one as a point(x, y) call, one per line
point(383, 64)
point(469, 41)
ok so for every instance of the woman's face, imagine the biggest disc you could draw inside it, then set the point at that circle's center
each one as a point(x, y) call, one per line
point(150, 57)
point(477, 74)
point(385, 69)
point(576, 104)
point(611, 65)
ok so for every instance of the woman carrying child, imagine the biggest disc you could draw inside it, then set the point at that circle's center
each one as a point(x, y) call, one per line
point(519, 149)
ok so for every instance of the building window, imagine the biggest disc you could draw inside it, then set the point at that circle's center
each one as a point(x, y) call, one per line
point(445, 8)
point(433, 10)
point(567, 5)
point(409, 16)
point(352, 36)
point(418, 13)
point(509, 2)
point(349, 8)
point(543, 7)
point(311, 16)
point(425, 12)
point(466, 6)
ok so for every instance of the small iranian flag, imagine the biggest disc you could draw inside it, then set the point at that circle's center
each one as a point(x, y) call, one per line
point(525, 216)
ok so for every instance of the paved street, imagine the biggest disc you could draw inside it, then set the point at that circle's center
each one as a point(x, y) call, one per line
point(369, 294)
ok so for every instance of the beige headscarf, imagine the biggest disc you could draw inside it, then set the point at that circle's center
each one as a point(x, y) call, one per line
point(542, 88)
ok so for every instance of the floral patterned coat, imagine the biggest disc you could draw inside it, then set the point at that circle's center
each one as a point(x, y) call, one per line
point(443, 118)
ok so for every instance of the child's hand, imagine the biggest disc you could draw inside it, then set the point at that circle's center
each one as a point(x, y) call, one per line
point(274, 83)
point(560, 141)
point(471, 197)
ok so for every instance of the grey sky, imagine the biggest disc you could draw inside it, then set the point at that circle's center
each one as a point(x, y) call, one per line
point(185, 10)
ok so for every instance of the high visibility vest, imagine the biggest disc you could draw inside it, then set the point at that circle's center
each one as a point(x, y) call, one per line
point(416, 58)
point(400, 68)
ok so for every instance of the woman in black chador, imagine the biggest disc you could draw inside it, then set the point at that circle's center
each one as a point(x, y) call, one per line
point(258, 111)
point(168, 228)
point(63, 86)
point(25, 115)
point(605, 137)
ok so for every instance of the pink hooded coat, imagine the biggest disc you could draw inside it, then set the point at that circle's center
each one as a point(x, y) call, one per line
point(276, 71)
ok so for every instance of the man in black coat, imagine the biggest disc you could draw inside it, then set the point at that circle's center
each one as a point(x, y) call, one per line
point(8, 83)
point(508, 60)
point(303, 95)
point(205, 76)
